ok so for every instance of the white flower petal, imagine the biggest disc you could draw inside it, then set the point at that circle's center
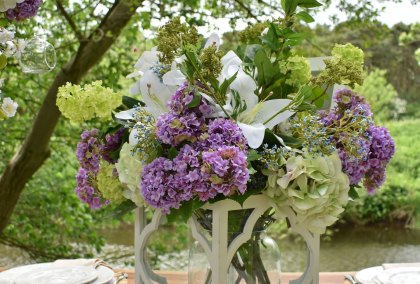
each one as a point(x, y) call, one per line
point(173, 78)
point(135, 88)
point(213, 39)
point(270, 108)
point(230, 60)
point(126, 114)
point(135, 74)
point(155, 94)
point(253, 133)
point(147, 60)
point(132, 140)
point(245, 86)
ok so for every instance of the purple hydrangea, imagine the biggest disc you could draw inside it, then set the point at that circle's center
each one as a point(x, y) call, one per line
point(173, 129)
point(89, 154)
point(160, 185)
point(24, 10)
point(112, 143)
point(88, 150)
point(225, 172)
point(182, 123)
point(221, 132)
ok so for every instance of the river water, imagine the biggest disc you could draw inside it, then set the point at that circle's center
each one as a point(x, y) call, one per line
point(350, 249)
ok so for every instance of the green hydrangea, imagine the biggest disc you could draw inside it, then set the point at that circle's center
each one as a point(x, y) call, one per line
point(109, 184)
point(129, 169)
point(315, 188)
point(80, 104)
point(298, 70)
point(345, 67)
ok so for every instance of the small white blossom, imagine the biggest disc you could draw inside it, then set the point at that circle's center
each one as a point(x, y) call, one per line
point(10, 49)
point(6, 35)
point(9, 107)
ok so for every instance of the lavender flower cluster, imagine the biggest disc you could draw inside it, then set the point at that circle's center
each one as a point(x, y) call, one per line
point(24, 10)
point(364, 148)
point(182, 123)
point(214, 162)
point(89, 152)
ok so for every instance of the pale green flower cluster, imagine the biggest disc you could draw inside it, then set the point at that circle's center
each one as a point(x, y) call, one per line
point(84, 103)
point(108, 183)
point(129, 169)
point(298, 69)
point(346, 67)
point(315, 188)
point(348, 53)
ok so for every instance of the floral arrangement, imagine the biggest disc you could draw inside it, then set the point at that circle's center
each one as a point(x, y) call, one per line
point(212, 125)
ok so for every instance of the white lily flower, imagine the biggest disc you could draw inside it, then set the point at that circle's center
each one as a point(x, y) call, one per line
point(155, 93)
point(258, 116)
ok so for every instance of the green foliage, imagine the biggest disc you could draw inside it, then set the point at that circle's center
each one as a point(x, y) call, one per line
point(399, 198)
point(381, 95)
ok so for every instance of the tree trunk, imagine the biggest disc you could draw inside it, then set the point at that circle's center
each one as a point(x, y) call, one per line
point(35, 149)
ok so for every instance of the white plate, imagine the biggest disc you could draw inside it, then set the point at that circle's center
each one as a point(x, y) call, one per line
point(106, 275)
point(401, 275)
point(58, 275)
point(368, 275)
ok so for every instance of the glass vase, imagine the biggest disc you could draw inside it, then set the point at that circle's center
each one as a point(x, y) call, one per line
point(257, 261)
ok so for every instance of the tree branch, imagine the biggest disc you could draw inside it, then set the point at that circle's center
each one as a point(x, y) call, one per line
point(68, 18)
point(247, 9)
point(35, 149)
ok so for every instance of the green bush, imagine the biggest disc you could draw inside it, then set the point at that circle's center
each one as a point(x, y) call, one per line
point(382, 96)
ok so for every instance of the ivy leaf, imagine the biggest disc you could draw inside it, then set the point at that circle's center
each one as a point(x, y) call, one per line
point(304, 16)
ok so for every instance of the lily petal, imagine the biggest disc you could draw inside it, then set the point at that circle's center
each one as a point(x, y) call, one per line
point(126, 114)
point(155, 94)
point(270, 108)
point(173, 78)
point(230, 59)
point(135, 74)
point(245, 86)
point(132, 140)
point(147, 59)
point(253, 133)
point(213, 39)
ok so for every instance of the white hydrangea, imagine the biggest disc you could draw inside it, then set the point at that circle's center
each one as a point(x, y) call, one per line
point(129, 169)
point(8, 4)
point(9, 107)
point(315, 188)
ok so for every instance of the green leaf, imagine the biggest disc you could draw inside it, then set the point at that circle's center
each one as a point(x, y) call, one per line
point(3, 61)
point(304, 16)
point(172, 153)
point(195, 101)
point(4, 22)
point(123, 209)
point(131, 102)
point(271, 38)
point(226, 83)
point(183, 213)
point(308, 3)
point(253, 156)
point(250, 52)
point(289, 6)
point(266, 70)
point(353, 194)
